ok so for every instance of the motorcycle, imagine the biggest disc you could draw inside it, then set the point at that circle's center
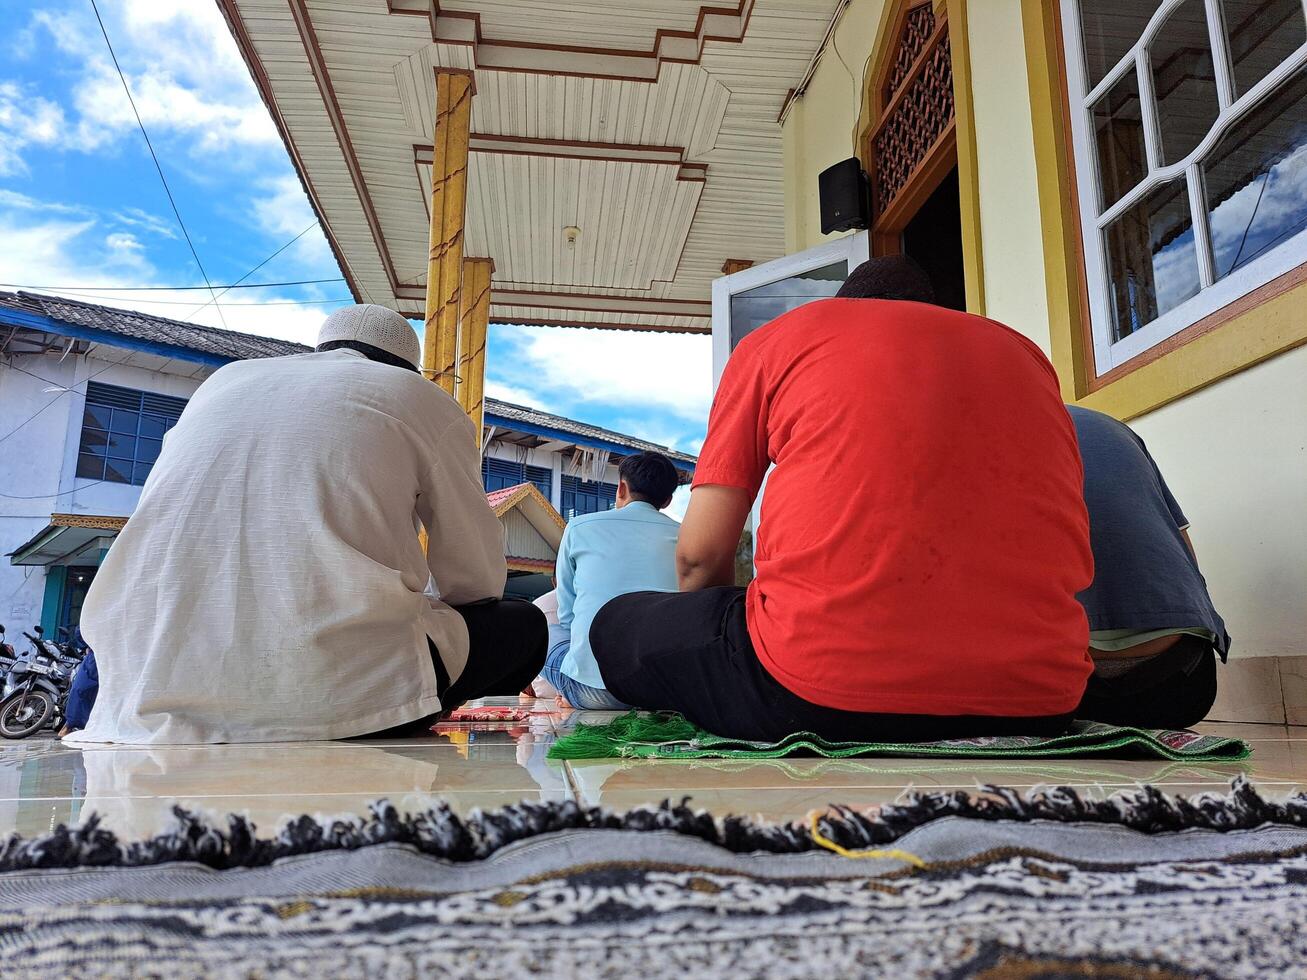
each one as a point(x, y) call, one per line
point(7, 653)
point(35, 688)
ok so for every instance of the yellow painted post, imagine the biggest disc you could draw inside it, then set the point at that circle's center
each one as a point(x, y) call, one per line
point(472, 338)
point(448, 210)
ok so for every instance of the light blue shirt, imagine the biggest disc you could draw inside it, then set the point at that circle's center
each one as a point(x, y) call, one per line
point(605, 555)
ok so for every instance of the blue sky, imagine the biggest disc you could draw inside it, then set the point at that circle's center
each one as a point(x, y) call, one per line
point(81, 206)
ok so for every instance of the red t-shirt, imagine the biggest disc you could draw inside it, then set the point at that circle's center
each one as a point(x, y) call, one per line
point(923, 534)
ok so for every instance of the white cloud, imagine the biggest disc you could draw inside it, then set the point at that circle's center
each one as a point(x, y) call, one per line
point(518, 396)
point(152, 223)
point(649, 375)
point(183, 68)
point(22, 202)
point(52, 251)
point(282, 210)
point(680, 501)
point(25, 119)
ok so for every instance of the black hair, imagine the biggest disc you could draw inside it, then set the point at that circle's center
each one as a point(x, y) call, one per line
point(888, 277)
point(650, 477)
point(368, 351)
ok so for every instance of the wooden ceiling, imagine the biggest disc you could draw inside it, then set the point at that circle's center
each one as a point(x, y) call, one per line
point(650, 126)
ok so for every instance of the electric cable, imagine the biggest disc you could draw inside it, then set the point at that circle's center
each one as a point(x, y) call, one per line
point(150, 146)
point(172, 289)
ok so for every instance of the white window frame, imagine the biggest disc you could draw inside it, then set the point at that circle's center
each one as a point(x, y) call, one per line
point(1212, 295)
point(853, 249)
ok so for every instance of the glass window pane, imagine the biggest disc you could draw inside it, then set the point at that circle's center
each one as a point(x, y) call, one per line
point(147, 450)
point(1257, 179)
point(1151, 258)
point(94, 441)
point(752, 308)
point(123, 447)
point(124, 421)
point(1262, 33)
point(153, 426)
point(1110, 28)
point(140, 472)
point(96, 416)
point(90, 467)
point(117, 471)
point(1184, 82)
point(1119, 133)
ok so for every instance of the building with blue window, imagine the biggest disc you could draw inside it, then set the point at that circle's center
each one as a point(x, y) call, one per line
point(89, 391)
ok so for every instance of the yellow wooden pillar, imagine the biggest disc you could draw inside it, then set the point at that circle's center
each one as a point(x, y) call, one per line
point(448, 210)
point(472, 338)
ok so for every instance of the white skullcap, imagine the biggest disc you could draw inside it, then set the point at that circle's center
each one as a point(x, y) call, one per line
point(379, 326)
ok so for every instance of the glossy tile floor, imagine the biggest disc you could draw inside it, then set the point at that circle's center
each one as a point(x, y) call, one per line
point(487, 764)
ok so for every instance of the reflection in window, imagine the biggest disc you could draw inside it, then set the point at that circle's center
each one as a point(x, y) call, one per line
point(1119, 126)
point(122, 432)
point(1110, 31)
point(1169, 241)
point(1257, 179)
point(756, 307)
point(1262, 33)
point(1184, 81)
point(1151, 258)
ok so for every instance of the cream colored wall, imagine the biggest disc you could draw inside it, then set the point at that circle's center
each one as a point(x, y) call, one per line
point(819, 129)
point(1010, 231)
point(1234, 453)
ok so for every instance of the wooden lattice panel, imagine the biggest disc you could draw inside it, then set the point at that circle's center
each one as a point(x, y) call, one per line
point(915, 120)
point(918, 25)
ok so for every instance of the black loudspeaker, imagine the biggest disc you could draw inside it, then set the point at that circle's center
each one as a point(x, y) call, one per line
point(845, 196)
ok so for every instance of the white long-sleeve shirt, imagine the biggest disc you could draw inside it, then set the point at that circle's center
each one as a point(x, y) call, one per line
point(270, 585)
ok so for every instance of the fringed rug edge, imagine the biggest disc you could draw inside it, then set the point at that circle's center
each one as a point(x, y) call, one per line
point(441, 833)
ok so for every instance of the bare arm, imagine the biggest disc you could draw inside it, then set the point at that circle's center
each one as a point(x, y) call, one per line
point(705, 551)
point(1184, 533)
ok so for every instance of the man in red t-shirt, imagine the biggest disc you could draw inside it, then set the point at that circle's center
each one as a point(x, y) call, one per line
point(922, 539)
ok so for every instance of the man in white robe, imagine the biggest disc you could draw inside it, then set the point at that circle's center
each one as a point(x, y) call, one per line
point(270, 585)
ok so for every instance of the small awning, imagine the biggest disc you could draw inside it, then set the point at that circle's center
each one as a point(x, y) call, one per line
point(69, 539)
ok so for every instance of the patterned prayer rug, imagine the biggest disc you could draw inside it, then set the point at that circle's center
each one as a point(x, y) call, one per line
point(667, 735)
point(986, 884)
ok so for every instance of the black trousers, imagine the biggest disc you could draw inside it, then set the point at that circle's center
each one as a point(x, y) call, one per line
point(507, 641)
point(1174, 689)
point(691, 652)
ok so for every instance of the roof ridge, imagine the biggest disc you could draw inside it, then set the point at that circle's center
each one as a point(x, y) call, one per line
point(42, 298)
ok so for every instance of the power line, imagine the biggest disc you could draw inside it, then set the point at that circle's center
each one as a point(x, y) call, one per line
point(254, 270)
point(84, 294)
point(67, 389)
point(174, 289)
point(150, 146)
point(61, 493)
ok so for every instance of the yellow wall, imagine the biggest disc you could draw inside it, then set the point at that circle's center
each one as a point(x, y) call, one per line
point(1234, 451)
point(1009, 199)
point(819, 129)
point(1235, 456)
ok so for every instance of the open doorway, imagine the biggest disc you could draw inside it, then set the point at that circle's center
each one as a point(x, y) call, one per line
point(933, 236)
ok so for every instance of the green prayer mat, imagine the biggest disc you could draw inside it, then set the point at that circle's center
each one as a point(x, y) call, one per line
point(667, 735)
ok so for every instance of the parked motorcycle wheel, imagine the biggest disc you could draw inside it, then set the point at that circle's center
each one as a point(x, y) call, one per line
point(25, 714)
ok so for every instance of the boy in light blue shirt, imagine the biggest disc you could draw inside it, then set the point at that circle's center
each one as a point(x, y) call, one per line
point(604, 555)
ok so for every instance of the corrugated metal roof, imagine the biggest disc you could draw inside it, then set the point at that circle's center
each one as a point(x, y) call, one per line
point(533, 416)
point(153, 329)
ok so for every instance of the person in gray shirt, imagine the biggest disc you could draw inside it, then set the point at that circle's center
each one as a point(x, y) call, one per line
point(1154, 634)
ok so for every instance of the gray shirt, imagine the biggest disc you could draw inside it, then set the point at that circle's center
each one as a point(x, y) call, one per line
point(1145, 577)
